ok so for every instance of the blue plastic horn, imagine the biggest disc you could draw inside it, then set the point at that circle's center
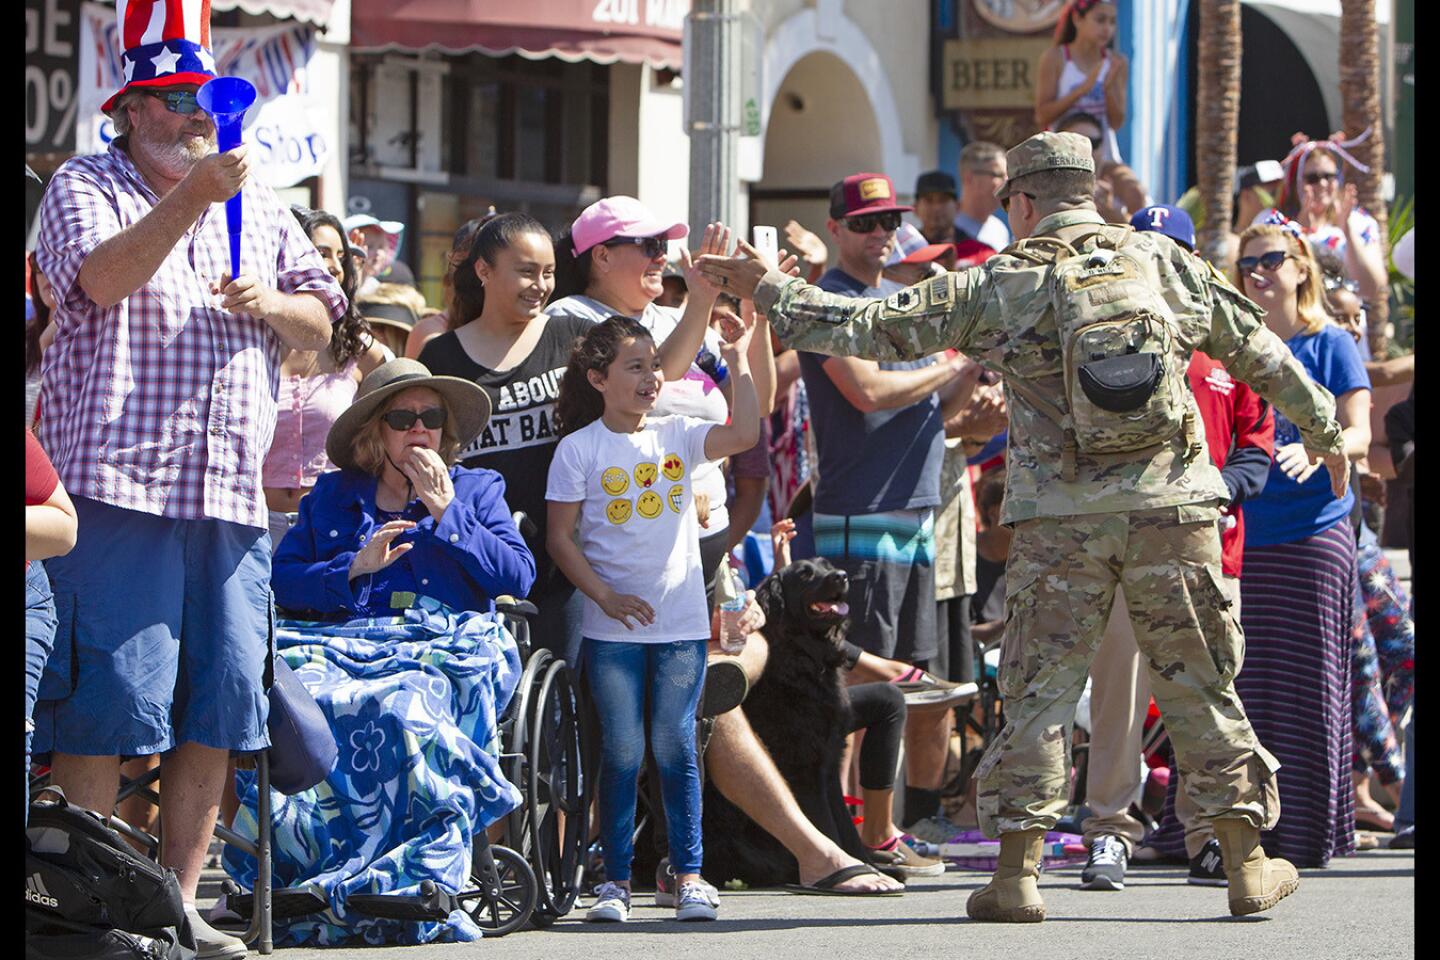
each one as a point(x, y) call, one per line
point(226, 99)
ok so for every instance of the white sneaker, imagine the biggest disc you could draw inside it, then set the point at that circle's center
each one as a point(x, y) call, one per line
point(612, 904)
point(211, 944)
point(696, 900)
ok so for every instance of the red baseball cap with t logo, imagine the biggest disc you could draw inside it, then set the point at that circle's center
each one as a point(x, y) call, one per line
point(862, 193)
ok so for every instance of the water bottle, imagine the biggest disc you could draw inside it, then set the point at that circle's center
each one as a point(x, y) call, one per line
point(730, 594)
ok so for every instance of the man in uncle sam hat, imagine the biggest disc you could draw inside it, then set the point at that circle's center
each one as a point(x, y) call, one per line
point(159, 395)
point(1108, 484)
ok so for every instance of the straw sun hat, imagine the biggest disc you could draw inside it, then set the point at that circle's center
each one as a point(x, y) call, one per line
point(466, 403)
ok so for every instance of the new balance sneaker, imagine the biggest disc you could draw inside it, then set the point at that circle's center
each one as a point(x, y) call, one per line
point(1207, 868)
point(696, 900)
point(937, 829)
point(1105, 870)
point(612, 904)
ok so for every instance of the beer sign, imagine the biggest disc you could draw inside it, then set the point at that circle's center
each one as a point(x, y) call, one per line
point(991, 73)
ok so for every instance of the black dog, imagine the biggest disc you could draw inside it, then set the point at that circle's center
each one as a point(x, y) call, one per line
point(800, 711)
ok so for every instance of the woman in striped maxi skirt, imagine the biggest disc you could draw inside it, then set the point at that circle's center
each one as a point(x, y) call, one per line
point(1298, 586)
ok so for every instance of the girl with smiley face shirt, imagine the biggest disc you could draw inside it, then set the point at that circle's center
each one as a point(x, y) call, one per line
point(623, 529)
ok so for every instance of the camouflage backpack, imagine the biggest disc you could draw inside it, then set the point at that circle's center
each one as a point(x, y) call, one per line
point(1125, 387)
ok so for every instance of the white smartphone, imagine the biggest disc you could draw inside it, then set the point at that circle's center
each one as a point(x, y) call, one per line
point(764, 240)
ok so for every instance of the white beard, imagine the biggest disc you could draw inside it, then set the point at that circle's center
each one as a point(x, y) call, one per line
point(177, 157)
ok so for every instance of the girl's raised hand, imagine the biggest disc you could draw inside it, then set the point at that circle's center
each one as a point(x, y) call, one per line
point(714, 242)
point(622, 606)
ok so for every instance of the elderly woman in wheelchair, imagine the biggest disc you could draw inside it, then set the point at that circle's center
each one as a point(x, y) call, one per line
point(391, 575)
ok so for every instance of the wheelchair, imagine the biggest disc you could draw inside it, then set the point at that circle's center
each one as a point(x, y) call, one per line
point(533, 876)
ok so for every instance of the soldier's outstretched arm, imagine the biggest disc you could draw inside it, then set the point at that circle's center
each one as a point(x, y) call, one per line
point(934, 314)
point(1251, 352)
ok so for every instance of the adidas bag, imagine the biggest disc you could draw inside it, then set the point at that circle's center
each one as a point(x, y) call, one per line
point(84, 883)
point(52, 938)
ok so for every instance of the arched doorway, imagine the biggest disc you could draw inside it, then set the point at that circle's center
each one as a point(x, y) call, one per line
point(821, 128)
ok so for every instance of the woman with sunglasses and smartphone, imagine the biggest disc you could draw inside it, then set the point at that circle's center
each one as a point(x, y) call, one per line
point(399, 519)
point(1315, 194)
point(611, 263)
point(1297, 594)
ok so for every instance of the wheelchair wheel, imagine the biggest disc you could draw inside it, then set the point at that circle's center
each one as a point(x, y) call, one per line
point(515, 744)
point(557, 811)
point(505, 891)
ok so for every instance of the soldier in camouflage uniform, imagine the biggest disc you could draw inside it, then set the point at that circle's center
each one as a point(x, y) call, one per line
point(1084, 522)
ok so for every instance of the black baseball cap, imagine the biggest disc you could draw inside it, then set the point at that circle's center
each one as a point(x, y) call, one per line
point(936, 181)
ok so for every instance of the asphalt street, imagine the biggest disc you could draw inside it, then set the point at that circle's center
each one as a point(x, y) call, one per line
point(1361, 906)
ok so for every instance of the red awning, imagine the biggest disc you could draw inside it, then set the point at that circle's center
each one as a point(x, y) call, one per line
point(598, 30)
point(311, 11)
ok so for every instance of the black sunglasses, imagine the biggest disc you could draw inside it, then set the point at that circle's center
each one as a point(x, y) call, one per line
point(867, 222)
point(1270, 261)
point(1316, 176)
point(1005, 202)
point(176, 101)
point(402, 420)
point(652, 247)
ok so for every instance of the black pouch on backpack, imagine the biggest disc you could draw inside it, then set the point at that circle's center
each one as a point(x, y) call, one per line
point(1123, 383)
point(83, 880)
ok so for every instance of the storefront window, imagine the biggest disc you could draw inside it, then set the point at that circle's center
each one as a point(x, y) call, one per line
point(518, 134)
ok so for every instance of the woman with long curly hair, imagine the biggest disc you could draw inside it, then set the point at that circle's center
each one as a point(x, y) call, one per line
point(316, 386)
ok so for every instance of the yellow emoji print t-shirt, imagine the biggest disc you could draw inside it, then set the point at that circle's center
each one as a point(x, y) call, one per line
point(637, 521)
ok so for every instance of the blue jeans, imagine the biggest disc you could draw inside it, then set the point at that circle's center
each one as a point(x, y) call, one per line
point(624, 679)
point(39, 641)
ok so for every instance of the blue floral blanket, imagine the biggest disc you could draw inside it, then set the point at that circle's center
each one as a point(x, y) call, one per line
point(415, 703)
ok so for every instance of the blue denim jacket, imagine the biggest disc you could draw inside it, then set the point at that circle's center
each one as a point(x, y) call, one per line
point(471, 556)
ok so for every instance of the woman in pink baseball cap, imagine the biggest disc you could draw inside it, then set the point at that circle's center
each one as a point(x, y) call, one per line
point(611, 262)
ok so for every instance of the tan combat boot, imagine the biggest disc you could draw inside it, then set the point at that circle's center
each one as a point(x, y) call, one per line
point(1012, 895)
point(1257, 882)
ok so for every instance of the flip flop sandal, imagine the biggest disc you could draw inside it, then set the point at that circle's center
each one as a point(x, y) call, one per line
point(828, 886)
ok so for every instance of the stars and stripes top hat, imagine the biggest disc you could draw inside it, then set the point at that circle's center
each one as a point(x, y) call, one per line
point(166, 42)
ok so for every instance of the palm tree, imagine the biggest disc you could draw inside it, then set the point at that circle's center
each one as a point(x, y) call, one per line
point(1216, 122)
point(1360, 108)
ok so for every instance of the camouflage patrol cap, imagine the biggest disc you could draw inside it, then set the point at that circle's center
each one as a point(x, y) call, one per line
point(1046, 151)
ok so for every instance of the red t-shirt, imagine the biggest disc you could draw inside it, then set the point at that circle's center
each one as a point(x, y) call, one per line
point(40, 477)
point(1234, 416)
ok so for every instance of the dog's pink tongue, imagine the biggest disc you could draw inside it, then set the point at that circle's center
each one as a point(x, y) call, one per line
point(840, 608)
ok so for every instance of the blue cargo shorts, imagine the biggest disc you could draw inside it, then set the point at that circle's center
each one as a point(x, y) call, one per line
point(165, 630)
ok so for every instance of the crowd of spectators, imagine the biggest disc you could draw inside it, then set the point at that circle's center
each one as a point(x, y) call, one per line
point(318, 409)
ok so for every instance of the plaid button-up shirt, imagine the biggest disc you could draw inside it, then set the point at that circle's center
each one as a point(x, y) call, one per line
point(164, 403)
